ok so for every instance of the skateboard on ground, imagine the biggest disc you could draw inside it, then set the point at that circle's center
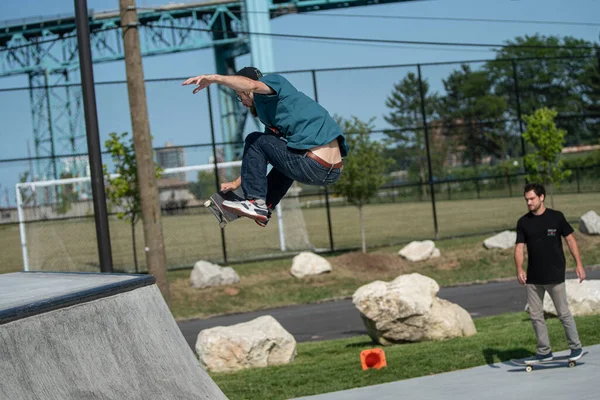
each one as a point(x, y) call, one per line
point(215, 205)
point(555, 360)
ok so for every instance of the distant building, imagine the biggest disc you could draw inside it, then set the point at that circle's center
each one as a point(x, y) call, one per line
point(171, 157)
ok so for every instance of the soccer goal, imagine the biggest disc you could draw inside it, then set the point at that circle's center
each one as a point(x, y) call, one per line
point(54, 227)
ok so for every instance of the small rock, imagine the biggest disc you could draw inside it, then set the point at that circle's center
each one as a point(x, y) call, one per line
point(257, 343)
point(590, 223)
point(306, 264)
point(419, 251)
point(206, 274)
point(503, 240)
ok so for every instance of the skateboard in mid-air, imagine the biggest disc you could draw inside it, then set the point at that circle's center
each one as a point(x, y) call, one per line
point(555, 360)
point(215, 205)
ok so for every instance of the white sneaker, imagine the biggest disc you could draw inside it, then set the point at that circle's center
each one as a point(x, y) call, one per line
point(248, 208)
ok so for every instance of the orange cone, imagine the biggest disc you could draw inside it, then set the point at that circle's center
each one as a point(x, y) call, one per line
point(373, 358)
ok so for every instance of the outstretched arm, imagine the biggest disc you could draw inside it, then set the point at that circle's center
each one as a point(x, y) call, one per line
point(575, 253)
point(237, 83)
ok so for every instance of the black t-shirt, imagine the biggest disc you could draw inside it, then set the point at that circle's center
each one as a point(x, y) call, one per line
point(545, 256)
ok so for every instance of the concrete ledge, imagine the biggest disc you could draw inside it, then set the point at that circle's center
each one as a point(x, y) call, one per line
point(25, 294)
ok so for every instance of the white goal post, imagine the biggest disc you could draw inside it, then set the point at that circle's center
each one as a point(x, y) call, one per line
point(292, 234)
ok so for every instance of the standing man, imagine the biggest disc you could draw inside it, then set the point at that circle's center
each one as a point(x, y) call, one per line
point(541, 229)
point(301, 141)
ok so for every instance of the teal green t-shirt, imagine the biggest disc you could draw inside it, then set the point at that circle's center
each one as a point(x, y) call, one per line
point(303, 122)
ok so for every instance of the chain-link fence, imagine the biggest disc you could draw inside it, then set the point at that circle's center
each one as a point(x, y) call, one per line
point(452, 129)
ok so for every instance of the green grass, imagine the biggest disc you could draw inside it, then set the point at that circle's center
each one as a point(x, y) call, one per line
point(71, 245)
point(329, 366)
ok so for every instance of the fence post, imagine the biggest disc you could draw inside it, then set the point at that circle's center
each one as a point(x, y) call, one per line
point(93, 138)
point(214, 149)
point(314, 79)
point(426, 133)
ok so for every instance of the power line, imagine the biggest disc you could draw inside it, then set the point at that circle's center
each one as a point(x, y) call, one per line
point(457, 19)
point(335, 39)
point(387, 41)
point(387, 45)
point(283, 12)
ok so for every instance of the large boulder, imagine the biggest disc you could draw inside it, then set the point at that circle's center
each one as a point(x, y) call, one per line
point(583, 298)
point(407, 310)
point(503, 240)
point(419, 251)
point(257, 343)
point(590, 223)
point(306, 264)
point(206, 274)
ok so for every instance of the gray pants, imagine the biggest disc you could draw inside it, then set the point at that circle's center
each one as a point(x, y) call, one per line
point(558, 294)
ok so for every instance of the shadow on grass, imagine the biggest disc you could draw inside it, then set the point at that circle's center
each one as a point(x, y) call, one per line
point(491, 354)
point(355, 332)
point(372, 343)
point(365, 344)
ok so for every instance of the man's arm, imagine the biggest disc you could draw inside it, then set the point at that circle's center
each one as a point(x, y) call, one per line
point(237, 83)
point(229, 186)
point(519, 259)
point(572, 243)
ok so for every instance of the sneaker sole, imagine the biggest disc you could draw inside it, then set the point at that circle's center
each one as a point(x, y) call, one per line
point(241, 213)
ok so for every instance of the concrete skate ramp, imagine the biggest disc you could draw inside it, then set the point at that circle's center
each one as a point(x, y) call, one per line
point(93, 336)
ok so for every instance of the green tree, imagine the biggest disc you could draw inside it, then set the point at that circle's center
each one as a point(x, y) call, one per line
point(471, 113)
point(544, 165)
point(364, 167)
point(591, 83)
point(123, 190)
point(204, 186)
point(551, 80)
point(405, 114)
point(66, 195)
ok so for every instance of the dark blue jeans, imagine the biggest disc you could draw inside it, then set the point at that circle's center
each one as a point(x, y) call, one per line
point(289, 165)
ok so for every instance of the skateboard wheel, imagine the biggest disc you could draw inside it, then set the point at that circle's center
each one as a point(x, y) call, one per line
point(529, 368)
point(572, 364)
point(207, 203)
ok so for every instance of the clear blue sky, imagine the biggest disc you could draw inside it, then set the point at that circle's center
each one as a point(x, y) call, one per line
point(181, 118)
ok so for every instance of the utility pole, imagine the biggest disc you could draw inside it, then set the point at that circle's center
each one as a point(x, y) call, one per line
point(146, 171)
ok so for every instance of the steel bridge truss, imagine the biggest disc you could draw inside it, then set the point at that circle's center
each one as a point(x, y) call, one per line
point(46, 50)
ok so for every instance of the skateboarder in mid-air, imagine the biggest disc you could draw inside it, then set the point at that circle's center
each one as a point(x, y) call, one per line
point(301, 141)
point(541, 229)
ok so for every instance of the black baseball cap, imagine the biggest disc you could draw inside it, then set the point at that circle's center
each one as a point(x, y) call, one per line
point(250, 72)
